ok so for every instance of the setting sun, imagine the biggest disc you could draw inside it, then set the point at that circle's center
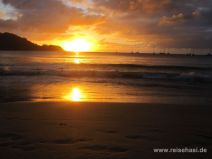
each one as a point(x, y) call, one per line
point(77, 45)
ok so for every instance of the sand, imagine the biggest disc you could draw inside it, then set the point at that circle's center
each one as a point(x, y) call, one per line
point(57, 130)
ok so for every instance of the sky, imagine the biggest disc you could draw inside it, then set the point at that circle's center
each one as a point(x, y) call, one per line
point(112, 25)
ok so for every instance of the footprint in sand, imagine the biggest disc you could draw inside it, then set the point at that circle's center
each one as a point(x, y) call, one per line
point(141, 137)
point(16, 141)
point(63, 141)
point(106, 148)
point(108, 131)
point(11, 136)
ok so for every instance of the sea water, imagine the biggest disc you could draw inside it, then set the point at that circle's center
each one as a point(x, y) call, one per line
point(105, 77)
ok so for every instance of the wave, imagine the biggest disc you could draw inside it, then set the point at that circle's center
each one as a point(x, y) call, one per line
point(190, 76)
point(84, 65)
point(149, 66)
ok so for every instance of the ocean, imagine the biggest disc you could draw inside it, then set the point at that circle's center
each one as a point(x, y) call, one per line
point(105, 77)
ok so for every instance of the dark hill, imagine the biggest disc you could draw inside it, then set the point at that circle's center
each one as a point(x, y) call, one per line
point(10, 41)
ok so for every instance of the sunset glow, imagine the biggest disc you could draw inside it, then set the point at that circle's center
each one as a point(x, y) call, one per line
point(77, 45)
point(77, 61)
point(105, 79)
point(75, 95)
point(112, 25)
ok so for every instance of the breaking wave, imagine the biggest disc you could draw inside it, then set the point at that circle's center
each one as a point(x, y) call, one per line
point(125, 71)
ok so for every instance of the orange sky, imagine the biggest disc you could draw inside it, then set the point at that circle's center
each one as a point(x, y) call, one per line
point(111, 25)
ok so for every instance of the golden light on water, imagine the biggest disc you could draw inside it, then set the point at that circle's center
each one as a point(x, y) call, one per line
point(77, 45)
point(77, 58)
point(75, 95)
point(77, 61)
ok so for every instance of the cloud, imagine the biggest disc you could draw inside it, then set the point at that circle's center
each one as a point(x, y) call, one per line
point(178, 19)
point(8, 12)
point(173, 20)
point(161, 23)
point(129, 23)
point(46, 17)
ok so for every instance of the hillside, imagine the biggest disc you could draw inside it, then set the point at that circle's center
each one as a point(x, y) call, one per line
point(9, 41)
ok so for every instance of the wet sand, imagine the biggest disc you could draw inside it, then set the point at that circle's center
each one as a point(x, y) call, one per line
point(57, 130)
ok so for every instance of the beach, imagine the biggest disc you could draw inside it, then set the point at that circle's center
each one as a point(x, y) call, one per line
point(82, 130)
point(105, 79)
point(57, 105)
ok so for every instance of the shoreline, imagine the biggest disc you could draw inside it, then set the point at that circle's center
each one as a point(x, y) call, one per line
point(101, 103)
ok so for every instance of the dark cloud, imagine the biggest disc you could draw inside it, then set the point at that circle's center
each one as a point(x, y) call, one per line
point(129, 6)
point(45, 17)
point(148, 23)
point(164, 23)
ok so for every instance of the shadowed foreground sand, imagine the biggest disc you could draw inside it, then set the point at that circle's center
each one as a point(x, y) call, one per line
point(102, 130)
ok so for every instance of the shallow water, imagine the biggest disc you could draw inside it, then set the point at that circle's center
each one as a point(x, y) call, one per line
point(105, 77)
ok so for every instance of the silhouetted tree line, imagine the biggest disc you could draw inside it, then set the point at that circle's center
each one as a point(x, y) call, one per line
point(9, 41)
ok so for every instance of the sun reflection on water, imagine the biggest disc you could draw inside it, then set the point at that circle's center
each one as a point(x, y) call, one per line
point(77, 61)
point(75, 95)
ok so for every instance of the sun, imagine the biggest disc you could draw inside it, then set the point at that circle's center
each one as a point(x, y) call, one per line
point(77, 45)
